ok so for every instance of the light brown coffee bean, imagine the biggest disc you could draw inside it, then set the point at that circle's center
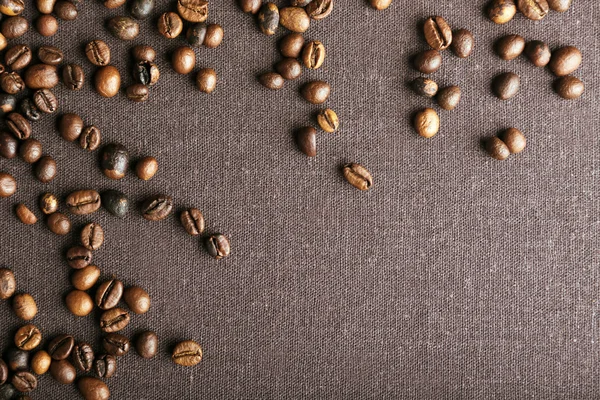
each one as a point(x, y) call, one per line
point(328, 120)
point(25, 215)
point(358, 176)
point(438, 33)
point(187, 353)
point(497, 149)
point(514, 140)
point(427, 123)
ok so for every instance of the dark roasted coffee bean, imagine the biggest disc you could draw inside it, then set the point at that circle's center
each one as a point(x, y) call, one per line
point(316, 92)
point(18, 126)
point(24, 381)
point(328, 120)
point(147, 73)
point(30, 150)
point(157, 207)
point(510, 47)
point(8, 185)
point(569, 87)
point(114, 320)
point(70, 126)
point(12, 7)
point(14, 27)
point(123, 28)
point(146, 168)
point(271, 80)
point(533, 9)
point(8, 145)
point(206, 80)
point(313, 54)
point(514, 140)
point(11, 82)
point(63, 372)
point(424, 87)
point(137, 92)
point(143, 53)
point(48, 203)
point(8, 103)
point(79, 303)
point(449, 97)
point(380, 4)
point(268, 18)
point(146, 344)
point(192, 221)
point(41, 76)
point(438, 33)
point(565, 60)
point(193, 10)
point(65, 10)
point(92, 236)
point(98, 52)
point(25, 215)
point(109, 294)
point(114, 161)
point(45, 101)
point(90, 138)
point(105, 366)
point(250, 6)
point(427, 123)
point(59, 223)
point(306, 140)
point(45, 169)
point(218, 246)
point(141, 9)
point(83, 202)
point(187, 353)
point(291, 45)
point(358, 176)
point(29, 110)
point(50, 55)
point(497, 149)
point(17, 360)
point(502, 11)
point(79, 257)
point(73, 76)
point(115, 202)
point(319, 9)
point(559, 5)
point(83, 357)
point(93, 389)
point(115, 344)
point(60, 347)
point(40, 362)
point(427, 62)
point(28, 337)
point(18, 57)
point(3, 372)
point(183, 60)
point(107, 81)
point(214, 36)
point(294, 19)
point(506, 85)
point(7, 392)
point(462, 43)
point(170, 25)
point(196, 34)
point(538, 53)
point(110, 4)
point(46, 25)
point(137, 299)
point(8, 284)
point(85, 278)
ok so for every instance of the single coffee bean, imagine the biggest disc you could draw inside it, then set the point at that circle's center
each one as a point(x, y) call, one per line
point(83, 357)
point(115, 202)
point(73, 76)
point(428, 61)
point(114, 161)
point(8, 103)
point(506, 85)
point(137, 92)
point(510, 47)
point(41, 76)
point(40, 362)
point(358, 176)
point(250, 6)
point(92, 236)
point(14, 27)
point(538, 53)
point(157, 208)
point(79, 257)
point(11, 82)
point(187, 353)
point(3, 374)
point(111, 4)
point(8, 185)
point(115, 344)
point(45, 169)
point(7, 392)
point(328, 120)
point(438, 33)
point(319, 9)
point(45, 6)
point(48, 203)
point(109, 294)
point(565, 60)
point(83, 202)
point(502, 11)
point(533, 9)
point(79, 303)
point(70, 126)
point(25, 215)
point(268, 18)
point(45, 101)
point(380, 4)
point(93, 388)
point(316, 92)
point(192, 221)
point(146, 73)
point(462, 43)
point(449, 97)
point(143, 53)
point(569, 87)
point(8, 284)
point(29, 110)
point(218, 246)
point(114, 320)
point(306, 140)
point(291, 45)
point(8, 145)
point(3, 44)
point(85, 278)
point(146, 168)
point(18, 57)
point(424, 87)
point(313, 54)
point(193, 10)
point(24, 381)
point(98, 52)
point(46, 25)
point(427, 123)
point(170, 25)
point(12, 7)
point(206, 80)
point(146, 344)
point(123, 28)
point(294, 19)
point(30, 150)
point(137, 299)
point(90, 138)
point(196, 34)
point(141, 9)
point(105, 366)
point(65, 10)
point(497, 149)
point(63, 372)
point(514, 140)
point(107, 81)
point(271, 80)
point(559, 5)
point(17, 360)
point(59, 223)
point(50, 55)
point(214, 36)
point(28, 337)
point(183, 60)
point(24, 306)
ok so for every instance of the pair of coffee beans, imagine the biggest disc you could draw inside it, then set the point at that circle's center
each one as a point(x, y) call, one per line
point(447, 98)
point(509, 142)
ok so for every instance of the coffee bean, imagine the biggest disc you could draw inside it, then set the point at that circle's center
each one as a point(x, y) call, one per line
point(3, 44)
point(83, 357)
point(63, 372)
point(114, 161)
point(146, 73)
point(271, 80)
point(8, 103)
point(424, 87)
point(506, 85)
point(192, 221)
point(105, 366)
point(569, 87)
point(79, 303)
point(427, 123)
point(73, 76)
point(109, 294)
point(299, 3)
point(428, 61)
point(45, 101)
point(25, 215)
point(328, 120)
point(7, 392)
point(83, 202)
point(14, 27)
point(17, 360)
point(3, 374)
point(143, 53)
point(510, 47)
point(502, 11)
point(123, 28)
point(116, 345)
point(18, 57)
point(313, 54)
point(316, 92)
point(40, 362)
point(565, 60)
point(24, 306)
point(8, 185)
point(250, 6)
point(187, 353)
point(11, 82)
point(170, 25)
point(12, 7)
point(59, 223)
point(115, 202)
point(146, 344)
point(92, 236)
point(65, 10)
point(107, 81)
point(137, 92)
point(48, 203)
point(268, 18)
point(137, 299)
point(90, 138)
point(193, 10)
point(358, 176)
point(218, 246)
point(294, 19)
point(28, 337)
point(41, 76)
point(114, 320)
point(319, 9)
point(30, 150)
point(183, 60)
point(291, 45)
point(46, 25)
point(496, 148)
point(111, 4)
point(24, 381)
point(79, 257)
point(514, 140)
point(306, 140)
point(45, 169)
point(141, 9)
point(449, 97)
point(50, 55)
point(437, 33)
point(98, 52)
point(146, 168)
point(29, 110)
point(206, 80)
point(8, 145)
point(214, 36)
point(196, 34)
point(462, 43)
point(45, 6)
point(559, 5)
point(85, 278)
point(533, 9)
point(538, 53)
point(70, 126)
point(93, 389)
point(157, 207)
point(380, 4)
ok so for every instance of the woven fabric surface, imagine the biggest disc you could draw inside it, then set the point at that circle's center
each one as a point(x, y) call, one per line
point(456, 276)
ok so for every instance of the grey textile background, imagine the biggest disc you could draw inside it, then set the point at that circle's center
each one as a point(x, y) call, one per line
point(456, 276)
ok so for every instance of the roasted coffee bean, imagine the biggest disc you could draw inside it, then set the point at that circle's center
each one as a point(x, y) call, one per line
point(462, 43)
point(8, 145)
point(146, 344)
point(358, 176)
point(146, 168)
point(123, 28)
point(427, 123)
point(3, 44)
point(79, 303)
point(7, 392)
point(107, 81)
point(30, 150)
point(90, 138)
point(299, 3)
point(192, 221)
point(17, 360)
point(63, 372)
point(306, 140)
point(105, 366)
point(45, 6)
point(45, 169)
point(533, 9)
point(73, 76)
point(510, 47)
point(85, 278)
point(65, 10)
point(424, 87)
point(70, 126)
point(12, 7)
point(212, 35)
point(559, 5)
point(59, 223)
point(250, 6)
point(319, 9)
point(438, 33)
point(506, 85)
point(271, 80)
point(291, 45)
point(40, 362)
point(114, 320)
point(137, 299)
point(115, 344)
point(8, 285)
point(502, 11)
point(497, 149)
point(514, 140)
point(146, 73)
point(46, 25)
point(14, 27)
point(115, 202)
point(538, 53)
point(449, 97)
point(45, 101)
point(3, 373)
point(183, 60)
point(25, 215)
point(114, 161)
point(294, 19)
point(8, 185)
point(83, 357)
point(83, 202)
point(98, 52)
point(29, 110)
point(137, 92)
point(313, 54)
point(316, 92)
point(380, 4)
point(109, 294)
point(196, 34)
point(206, 80)
point(218, 246)
point(143, 53)
point(93, 388)
point(8, 103)
point(41, 76)
point(170, 25)
point(565, 60)
point(11, 82)
point(141, 9)
point(268, 18)
point(28, 337)
point(187, 353)
point(428, 61)
point(24, 381)
point(111, 4)
point(79, 257)
point(48, 203)
point(60, 347)
point(24, 306)
point(92, 236)
point(18, 57)
point(328, 120)
point(193, 10)
point(569, 87)
point(50, 55)
point(157, 207)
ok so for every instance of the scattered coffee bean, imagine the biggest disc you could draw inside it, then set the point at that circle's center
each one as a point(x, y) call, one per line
point(24, 306)
point(12, 7)
point(137, 92)
point(146, 73)
point(294, 19)
point(28, 337)
point(18, 126)
point(306, 140)
point(193, 10)
point(83, 202)
point(497, 149)
point(170, 25)
point(143, 53)
point(50, 55)
point(59, 223)
point(218, 246)
point(25, 215)
point(502, 11)
point(79, 303)
point(8, 103)
point(183, 60)
point(3, 44)
point(214, 36)
point(319, 9)
point(79, 257)
point(328, 120)
point(380, 4)
point(569, 87)
point(157, 208)
point(268, 18)
point(85, 278)
point(30, 150)
point(146, 344)
point(90, 138)
point(114, 320)
point(424, 87)
point(40, 362)
point(73, 76)
point(24, 381)
point(109, 294)
point(83, 357)
point(137, 299)
point(45, 169)
point(427, 123)
point(565, 60)
point(14, 27)
point(506, 85)
point(428, 61)
point(46, 25)
point(18, 57)
point(41, 76)
point(110, 4)
point(123, 28)
point(510, 47)
point(115, 202)
point(250, 6)
point(116, 345)
point(11, 82)
point(538, 53)
point(105, 366)
point(271, 80)
point(45, 101)
point(65, 10)
point(98, 52)
point(313, 54)
point(8, 185)
point(438, 33)
point(316, 92)
point(70, 126)
point(514, 140)
point(8, 284)
point(93, 388)
point(449, 97)
point(141, 9)
point(63, 372)
point(187, 353)
point(192, 221)
point(8, 145)
point(114, 161)
point(17, 360)
point(107, 81)
point(358, 176)
point(206, 80)
point(29, 110)
point(146, 168)
point(559, 5)
point(196, 34)
point(48, 203)
point(533, 9)
point(92, 236)
point(291, 45)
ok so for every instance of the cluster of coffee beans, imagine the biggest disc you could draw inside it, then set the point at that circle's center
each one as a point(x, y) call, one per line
point(502, 11)
point(511, 141)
